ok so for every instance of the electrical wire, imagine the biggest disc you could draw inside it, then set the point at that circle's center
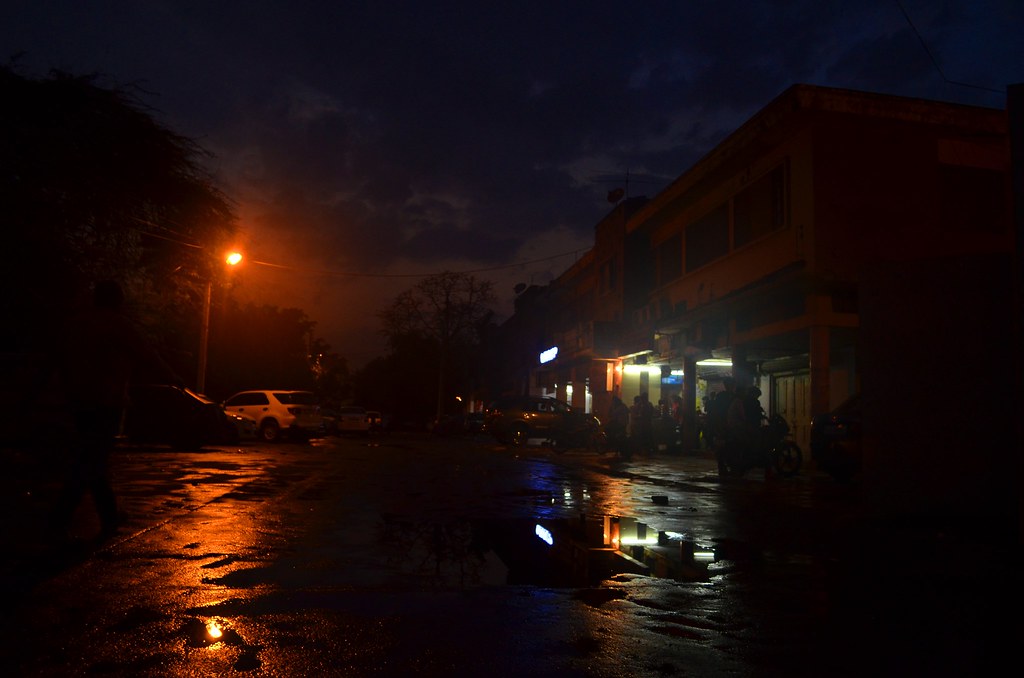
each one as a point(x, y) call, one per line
point(935, 62)
point(349, 274)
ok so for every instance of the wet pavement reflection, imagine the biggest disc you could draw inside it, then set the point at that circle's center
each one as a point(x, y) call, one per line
point(409, 556)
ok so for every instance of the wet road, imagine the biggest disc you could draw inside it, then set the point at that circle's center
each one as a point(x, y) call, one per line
point(389, 556)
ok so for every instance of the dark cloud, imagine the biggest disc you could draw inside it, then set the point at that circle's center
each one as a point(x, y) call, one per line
point(393, 138)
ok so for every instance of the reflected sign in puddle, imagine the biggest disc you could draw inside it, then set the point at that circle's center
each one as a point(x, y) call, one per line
point(547, 552)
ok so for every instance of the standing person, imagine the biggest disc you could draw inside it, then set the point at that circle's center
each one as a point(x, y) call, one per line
point(677, 409)
point(636, 416)
point(102, 351)
point(753, 413)
point(753, 417)
point(743, 426)
point(646, 423)
point(676, 415)
point(618, 422)
point(718, 411)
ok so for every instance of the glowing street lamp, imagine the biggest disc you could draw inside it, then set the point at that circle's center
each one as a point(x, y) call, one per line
point(232, 259)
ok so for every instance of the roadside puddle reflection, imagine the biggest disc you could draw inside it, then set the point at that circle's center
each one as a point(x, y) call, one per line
point(543, 551)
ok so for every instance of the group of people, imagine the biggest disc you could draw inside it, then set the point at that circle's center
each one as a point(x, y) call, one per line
point(643, 427)
point(734, 419)
point(731, 424)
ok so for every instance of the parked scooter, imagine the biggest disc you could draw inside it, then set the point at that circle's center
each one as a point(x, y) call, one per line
point(774, 449)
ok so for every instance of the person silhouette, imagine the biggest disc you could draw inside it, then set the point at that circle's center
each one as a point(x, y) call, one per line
point(101, 352)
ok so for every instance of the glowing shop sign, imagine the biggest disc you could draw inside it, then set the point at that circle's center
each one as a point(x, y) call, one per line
point(549, 355)
point(545, 534)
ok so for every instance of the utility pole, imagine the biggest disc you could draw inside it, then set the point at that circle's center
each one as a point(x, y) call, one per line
point(1015, 114)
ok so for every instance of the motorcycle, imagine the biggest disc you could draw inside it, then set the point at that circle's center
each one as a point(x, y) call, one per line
point(773, 449)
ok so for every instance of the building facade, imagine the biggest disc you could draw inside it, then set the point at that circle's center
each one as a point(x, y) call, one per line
point(754, 262)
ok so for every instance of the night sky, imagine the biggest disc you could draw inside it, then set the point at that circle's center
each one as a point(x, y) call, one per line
point(369, 143)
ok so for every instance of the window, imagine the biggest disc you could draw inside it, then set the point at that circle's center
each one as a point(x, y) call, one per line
point(707, 239)
point(670, 259)
point(609, 280)
point(296, 398)
point(760, 208)
point(973, 199)
point(245, 399)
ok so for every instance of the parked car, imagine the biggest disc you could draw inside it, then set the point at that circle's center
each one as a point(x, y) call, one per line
point(515, 420)
point(294, 413)
point(328, 421)
point(376, 420)
point(836, 440)
point(474, 423)
point(353, 419)
point(162, 414)
point(245, 428)
point(458, 424)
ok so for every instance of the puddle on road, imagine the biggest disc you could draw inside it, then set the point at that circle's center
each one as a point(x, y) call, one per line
point(551, 552)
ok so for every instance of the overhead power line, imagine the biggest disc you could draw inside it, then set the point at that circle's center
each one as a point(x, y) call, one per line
point(935, 62)
point(351, 274)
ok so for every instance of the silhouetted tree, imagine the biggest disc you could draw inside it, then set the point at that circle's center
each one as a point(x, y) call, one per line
point(447, 310)
point(92, 186)
point(255, 346)
point(401, 384)
point(332, 381)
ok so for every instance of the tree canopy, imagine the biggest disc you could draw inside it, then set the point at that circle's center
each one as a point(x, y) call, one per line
point(93, 186)
point(446, 312)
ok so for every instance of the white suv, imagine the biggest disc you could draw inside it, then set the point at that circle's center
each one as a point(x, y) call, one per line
point(294, 412)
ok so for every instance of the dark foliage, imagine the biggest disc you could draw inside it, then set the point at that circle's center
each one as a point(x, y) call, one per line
point(440, 321)
point(92, 186)
point(259, 347)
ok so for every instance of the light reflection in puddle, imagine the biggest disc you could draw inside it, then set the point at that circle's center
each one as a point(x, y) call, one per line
point(214, 630)
point(546, 551)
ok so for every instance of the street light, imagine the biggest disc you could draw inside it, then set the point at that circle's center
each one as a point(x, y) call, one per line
point(232, 259)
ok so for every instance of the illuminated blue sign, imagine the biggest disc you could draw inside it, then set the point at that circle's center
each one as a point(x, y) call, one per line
point(548, 355)
point(545, 534)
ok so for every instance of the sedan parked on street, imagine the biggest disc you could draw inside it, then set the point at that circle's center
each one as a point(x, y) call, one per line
point(517, 419)
point(162, 414)
point(353, 419)
point(245, 428)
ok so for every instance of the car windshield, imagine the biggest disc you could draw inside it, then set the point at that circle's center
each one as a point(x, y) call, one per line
point(559, 406)
point(352, 410)
point(296, 398)
point(197, 396)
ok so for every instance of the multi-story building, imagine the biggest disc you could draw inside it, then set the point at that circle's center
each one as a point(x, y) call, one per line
point(755, 262)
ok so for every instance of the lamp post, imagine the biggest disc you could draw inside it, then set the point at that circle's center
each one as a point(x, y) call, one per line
point(232, 259)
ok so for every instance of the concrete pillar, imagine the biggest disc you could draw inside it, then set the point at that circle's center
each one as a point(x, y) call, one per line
point(689, 394)
point(1015, 110)
point(742, 371)
point(820, 368)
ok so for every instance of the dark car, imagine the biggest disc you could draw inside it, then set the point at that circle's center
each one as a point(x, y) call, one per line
point(162, 414)
point(474, 423)
point(836, 440)
point(468, 423)
point(515, 420)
